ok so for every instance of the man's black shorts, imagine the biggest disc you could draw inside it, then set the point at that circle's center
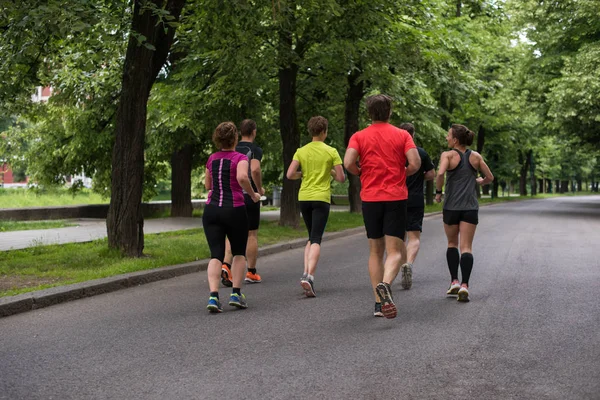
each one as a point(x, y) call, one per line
point(414, 219)
point(253, 211)
point(384, 218)
point(455, 217)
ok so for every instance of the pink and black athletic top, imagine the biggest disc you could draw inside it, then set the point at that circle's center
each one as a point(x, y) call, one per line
point(226, 191)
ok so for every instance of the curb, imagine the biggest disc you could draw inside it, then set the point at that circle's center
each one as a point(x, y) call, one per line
point(12, 305)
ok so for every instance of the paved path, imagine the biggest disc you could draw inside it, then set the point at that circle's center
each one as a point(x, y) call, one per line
point(92, 229)
point(531, 331)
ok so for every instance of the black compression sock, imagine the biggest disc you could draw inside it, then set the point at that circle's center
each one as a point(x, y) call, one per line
point(466, 266)
point(214, 294)
point(453, 258)
point(252, 270)
point(228, 265)
point(237, 290)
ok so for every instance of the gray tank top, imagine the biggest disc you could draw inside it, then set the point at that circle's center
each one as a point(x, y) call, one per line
point(461, 185)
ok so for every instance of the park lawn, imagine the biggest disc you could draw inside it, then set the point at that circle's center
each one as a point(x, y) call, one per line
point(47, 266)
point(9, 226)
point(21, 198)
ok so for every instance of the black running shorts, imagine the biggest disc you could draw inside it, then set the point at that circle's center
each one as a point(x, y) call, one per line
point(315, 215)
point(414, 219)
point(253, 211)
point(384, 218)
point(455, 217)
point(221, 222)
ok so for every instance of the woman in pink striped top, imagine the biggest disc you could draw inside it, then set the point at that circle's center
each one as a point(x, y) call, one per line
point(225, 213)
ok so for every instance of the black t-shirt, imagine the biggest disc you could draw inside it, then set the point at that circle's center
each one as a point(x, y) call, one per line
point(415, 182)
point(253, 152)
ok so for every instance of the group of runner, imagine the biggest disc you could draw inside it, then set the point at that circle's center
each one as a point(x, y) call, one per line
point(392, 171)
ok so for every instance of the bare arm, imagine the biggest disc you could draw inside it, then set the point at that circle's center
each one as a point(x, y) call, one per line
point(208, 180)
point(257, 175)
point(485, 170)
point(350, 159)
point(338, 173)
point(429, 175)
point(439, 181)
point(292, 172)
point(244, 180)
point(414, 162)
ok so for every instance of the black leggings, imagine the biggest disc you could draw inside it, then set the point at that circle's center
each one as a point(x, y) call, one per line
point(221, 222)
point(315, 214)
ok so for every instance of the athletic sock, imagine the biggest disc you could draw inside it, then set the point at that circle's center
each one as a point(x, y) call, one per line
point(237, 290)
point(214, 294)
point(252, 270)
point(228, 265)
point(466, 266)
point(453, 258)
point(310, 277)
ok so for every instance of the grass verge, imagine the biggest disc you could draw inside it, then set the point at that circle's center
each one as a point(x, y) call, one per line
point(9, 226)
point(47, 266)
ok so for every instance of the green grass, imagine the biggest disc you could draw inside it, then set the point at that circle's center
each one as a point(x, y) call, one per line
point(17, 198)
point(9, 226)
point(46, 266)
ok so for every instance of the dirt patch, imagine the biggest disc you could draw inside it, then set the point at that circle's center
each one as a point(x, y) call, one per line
point(13, 282)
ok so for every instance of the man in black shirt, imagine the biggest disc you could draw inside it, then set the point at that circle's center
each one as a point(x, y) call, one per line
point(254, 153)
point(415, 208)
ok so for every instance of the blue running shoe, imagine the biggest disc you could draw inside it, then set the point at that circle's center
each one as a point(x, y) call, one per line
point(238, 300)
point(214, 305)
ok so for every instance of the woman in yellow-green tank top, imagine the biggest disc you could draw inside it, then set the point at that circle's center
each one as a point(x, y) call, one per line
point(318, 162)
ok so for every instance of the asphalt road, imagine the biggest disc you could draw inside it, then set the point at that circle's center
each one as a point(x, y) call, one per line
point(531, 330)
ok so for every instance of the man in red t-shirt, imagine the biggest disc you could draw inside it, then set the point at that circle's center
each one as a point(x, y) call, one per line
point(383, 150)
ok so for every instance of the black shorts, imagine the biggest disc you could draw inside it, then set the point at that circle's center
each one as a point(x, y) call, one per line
point(414, 219)
point(455, 217)
point(384, 218)
point(221, 222)
point(315, 215)
point(253, 211)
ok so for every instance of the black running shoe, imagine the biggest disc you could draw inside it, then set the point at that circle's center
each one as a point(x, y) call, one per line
point(309, 287)
point(388, 308)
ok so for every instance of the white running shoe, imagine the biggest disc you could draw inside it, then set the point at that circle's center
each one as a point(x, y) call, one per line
point(406, 271)
point(453, 290)
point(463, 294)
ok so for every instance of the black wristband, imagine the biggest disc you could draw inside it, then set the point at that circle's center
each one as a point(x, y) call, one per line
point(438, 192)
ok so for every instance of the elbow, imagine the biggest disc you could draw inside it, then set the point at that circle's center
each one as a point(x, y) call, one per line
point(491, 178)
point(289, 176)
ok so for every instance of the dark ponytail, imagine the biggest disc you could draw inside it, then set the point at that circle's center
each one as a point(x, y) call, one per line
point(463, 134)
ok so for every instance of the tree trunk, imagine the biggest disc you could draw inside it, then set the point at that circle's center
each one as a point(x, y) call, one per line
point(125, 223)
point(181, 182)
point(495, 186)
point(289, 130)
point(532, 173)
point(524, 161)
point(564, 186)
point(579, 185)
point(354, 96)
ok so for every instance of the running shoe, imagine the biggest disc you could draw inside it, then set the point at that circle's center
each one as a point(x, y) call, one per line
point(388, 308)
point(214, 305)
point(238, 300)
point(309, 287)
point(304, 276)
point(226, 276)
point(453, 289)
point(406, 271)
point(252, 278)
point(463, 294)
point(378, 312)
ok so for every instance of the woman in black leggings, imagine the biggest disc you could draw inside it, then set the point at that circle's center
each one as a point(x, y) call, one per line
point(225, 213)
point(319, 162)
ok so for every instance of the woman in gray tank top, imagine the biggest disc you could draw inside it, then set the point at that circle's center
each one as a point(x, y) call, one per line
point(461, 208)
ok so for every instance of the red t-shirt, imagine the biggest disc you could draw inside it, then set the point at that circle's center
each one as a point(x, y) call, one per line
point(382, 154)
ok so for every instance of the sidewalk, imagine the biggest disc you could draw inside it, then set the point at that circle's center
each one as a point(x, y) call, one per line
point(88, 230)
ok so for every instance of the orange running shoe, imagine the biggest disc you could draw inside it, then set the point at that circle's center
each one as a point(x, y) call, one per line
point(226, 276)
point(252, 278)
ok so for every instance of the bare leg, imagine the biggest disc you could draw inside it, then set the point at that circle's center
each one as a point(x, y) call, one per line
point(214, 274)
point(306, 253)
point(252, 249)
point(376, 250)
point(413, 245)
point(313, 258)
point(238, 270)
point(467, 233)
point(396, 256)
